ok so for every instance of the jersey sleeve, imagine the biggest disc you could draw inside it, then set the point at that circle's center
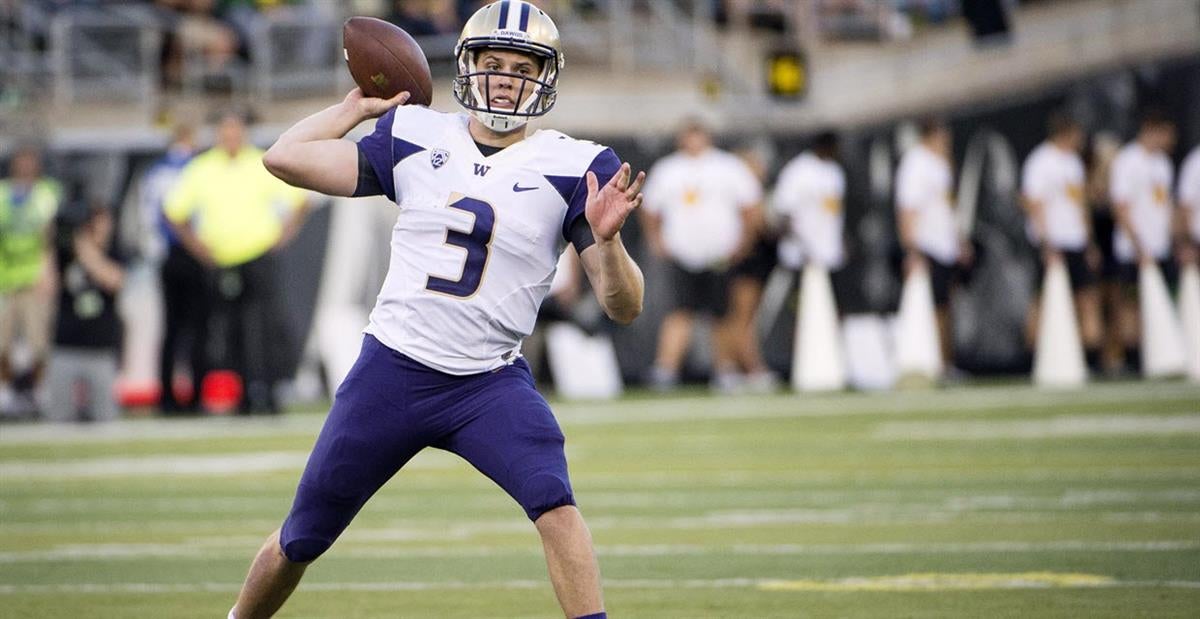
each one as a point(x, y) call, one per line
point(1033, 179)
point(604, 166)
point(787, 198)
point(376, 148)
point(1122, 180)
point(1189, 182)
point(909, 193)
point(749, 190)
point(656, 188)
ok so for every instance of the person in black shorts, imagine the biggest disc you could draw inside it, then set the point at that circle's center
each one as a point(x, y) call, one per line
point(699, 219)
point(1059, 223)
point(748, 277)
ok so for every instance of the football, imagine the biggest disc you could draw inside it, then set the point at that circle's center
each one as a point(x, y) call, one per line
point(384, 60)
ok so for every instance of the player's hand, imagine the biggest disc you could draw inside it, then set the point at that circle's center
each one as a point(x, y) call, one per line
point(609, 206)
point(372, 107)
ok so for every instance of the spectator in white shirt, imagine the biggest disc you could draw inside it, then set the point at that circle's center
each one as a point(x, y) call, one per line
point(1052, 193)
point(1189, 208)
point(1140, 189)
point(699, 206)
point(810, 198)
point(929, 231)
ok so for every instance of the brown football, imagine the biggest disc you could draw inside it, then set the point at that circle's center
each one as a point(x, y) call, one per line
point(385, 60)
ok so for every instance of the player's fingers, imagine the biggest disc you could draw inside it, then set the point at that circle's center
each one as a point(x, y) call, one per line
point(636, 186)
point(592, 185)
point(400, 99)
point(637, 202)
point(621, 179)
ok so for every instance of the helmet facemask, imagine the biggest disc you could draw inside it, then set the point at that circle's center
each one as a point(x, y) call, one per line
point(472, 86)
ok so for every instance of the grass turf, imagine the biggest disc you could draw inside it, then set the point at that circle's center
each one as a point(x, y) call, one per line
point(987, 501)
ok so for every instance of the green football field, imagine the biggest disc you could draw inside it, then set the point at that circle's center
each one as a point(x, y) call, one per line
point(988, 501)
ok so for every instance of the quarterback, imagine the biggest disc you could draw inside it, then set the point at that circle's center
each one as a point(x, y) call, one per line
point(484, 209)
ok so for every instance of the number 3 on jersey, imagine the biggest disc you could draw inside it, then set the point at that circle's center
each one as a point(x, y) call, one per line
point(478, 245)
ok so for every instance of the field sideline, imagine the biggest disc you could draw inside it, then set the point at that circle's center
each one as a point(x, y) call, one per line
point(991, 501)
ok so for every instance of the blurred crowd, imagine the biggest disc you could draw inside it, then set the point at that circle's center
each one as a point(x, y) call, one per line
point(1101, 210)
point(219, 220)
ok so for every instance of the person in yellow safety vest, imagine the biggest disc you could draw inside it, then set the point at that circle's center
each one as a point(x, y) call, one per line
point(232, 215)
point(28, 203)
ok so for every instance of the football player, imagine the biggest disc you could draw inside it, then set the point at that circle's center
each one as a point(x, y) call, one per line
point(484, 208)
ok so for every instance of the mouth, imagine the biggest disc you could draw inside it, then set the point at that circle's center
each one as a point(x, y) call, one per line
point(502, 102)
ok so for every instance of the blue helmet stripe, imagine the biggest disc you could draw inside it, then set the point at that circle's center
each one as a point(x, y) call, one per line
point(524, 17)
point(504, 14)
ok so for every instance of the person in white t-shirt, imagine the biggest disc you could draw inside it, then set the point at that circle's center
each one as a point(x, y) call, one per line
point(809, 194)
point(928, 225)
point(809, 197)
point(1189, 207)
point(698, 217)
point(1052, 193)
point(1140, 189)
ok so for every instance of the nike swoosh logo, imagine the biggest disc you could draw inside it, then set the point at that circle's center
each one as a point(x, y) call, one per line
point(518, 188)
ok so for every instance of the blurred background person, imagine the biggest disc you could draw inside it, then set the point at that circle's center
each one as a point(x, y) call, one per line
point(698, 216)
point(87, 334)
point(748, 277)
point(1052, 193)
point(928, 226)
point(1140, 189)
point(186, 300)
point(232, 216)
point(1189, 207)
point(810, 198)
point(28, 204)
point(1101, 153)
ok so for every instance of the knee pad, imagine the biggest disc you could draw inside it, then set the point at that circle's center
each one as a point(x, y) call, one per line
point(544, 492)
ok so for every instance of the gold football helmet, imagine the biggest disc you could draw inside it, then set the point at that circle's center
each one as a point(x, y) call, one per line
point(511, 25)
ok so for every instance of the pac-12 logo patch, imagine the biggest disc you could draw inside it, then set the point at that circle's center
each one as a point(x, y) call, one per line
point(438, 158)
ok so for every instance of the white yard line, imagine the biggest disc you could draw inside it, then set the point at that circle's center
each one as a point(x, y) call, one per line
point(1063, 426)
point(914, 582)
point(639, 411)
point(215, 464)
point(233, 548)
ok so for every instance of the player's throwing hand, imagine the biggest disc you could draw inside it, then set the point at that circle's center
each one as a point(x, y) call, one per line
point(372, 107)
point(608, 207)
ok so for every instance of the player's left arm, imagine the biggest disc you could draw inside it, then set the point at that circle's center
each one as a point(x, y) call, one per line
point(614, 275)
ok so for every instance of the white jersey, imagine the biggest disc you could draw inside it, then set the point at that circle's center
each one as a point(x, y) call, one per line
point(700, 200)
point(476, 238)
point(923, 185)
point(1141, 180)
point(1189, 191)
point(1055, 178)
point(810, 192)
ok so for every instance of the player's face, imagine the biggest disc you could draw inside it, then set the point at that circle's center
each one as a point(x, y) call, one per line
point(504, 87)
point(231, 133)
point(26, 165)
point(1073, 139)
point(1165, 138)
point(694, 140)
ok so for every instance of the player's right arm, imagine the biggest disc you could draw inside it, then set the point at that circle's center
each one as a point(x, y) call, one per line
point(314, 153)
